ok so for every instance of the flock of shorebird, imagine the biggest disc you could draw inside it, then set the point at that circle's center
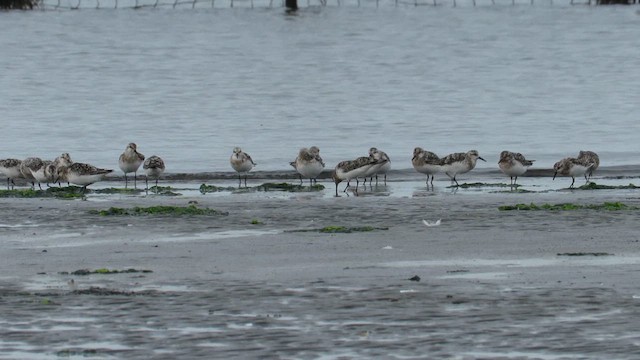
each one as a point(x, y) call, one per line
point(308, 164)
point(63, 169)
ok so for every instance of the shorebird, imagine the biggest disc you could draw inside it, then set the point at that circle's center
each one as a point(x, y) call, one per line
point(514, 165)
point(28, 167)
point(426, 162)
point(382, 166)
point(571, 167)
point(154, 167)
point(460, 163)
point(41, 174)
point(81, 174)
point(295, 167)
point(589, 157)
point(11, 169)
point(63, 160)
point(351, 169)
point(129, 162)
point(242, 163)
point(309, 164)
point(50, 173)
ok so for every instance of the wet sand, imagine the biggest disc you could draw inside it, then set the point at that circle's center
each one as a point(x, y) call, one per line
point(251, 284)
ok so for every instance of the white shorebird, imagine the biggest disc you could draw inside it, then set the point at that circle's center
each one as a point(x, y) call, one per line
point(309, 164)
point(129, 162)
point(513, 165)
point(11, 169)
point(242, 163)
point(589, 157)
point(28, 167)
point(382, 166)
point(426, 162)
point(80, 174)
point(153, 167)
point(351, 169)
point(571, 167)
point(460, 163)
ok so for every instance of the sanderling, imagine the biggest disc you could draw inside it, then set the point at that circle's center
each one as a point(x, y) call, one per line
point(382, 166)
point(295, 167)
point(81, 174)
point(589, 157)
point(571, 167)
point(41, 174)
point(426, 162)
point(28, 166)
point(460, 163)
point(11, 169)
point(351, 169)
point(242, 163)
point(309, 164)
point(154, 167)
point(50, 172)
point(63, 160)
point(514, 165)
point(129, 162)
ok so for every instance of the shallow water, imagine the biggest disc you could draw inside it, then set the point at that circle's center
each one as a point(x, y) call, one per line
point(189, 85)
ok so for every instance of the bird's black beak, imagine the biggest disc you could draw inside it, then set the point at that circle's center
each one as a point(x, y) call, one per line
point(479, 157)
point(554, 175)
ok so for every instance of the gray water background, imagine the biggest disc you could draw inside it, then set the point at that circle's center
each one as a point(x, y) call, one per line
point(189, 85)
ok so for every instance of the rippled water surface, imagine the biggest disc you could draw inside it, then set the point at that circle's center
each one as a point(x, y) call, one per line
point(262, 282)
point(544, 80)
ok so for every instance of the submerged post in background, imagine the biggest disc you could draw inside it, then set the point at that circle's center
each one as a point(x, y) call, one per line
point(291, 5)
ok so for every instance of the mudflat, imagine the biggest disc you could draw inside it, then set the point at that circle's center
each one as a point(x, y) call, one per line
point(304, 274)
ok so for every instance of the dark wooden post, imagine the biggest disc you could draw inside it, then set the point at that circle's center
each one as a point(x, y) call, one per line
point(291, 4)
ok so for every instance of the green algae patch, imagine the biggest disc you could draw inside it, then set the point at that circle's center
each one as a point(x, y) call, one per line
point(481, 185)
point(70, 192)
point(47, 301)
point(158, 210)
point(585, 254)
point(163, 191)
point(256, 222)
point(22, 193)
point(513, 191)
point(204, 188)
point(126, 191)
point(289, 187)
point(608, 206)
point(342, 229)
point(104, 271)
point(594, 186)
point(68, 353)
